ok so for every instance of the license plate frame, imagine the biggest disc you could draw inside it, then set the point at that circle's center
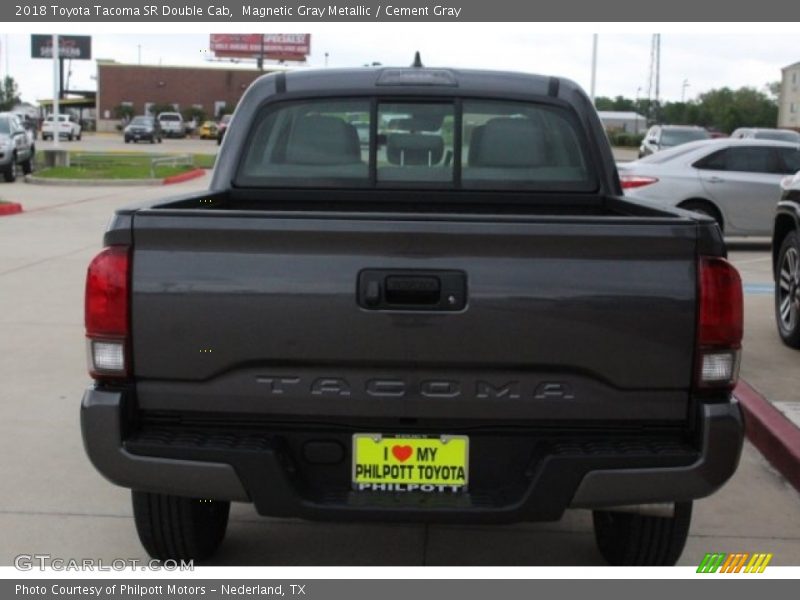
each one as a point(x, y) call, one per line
point(418, 464)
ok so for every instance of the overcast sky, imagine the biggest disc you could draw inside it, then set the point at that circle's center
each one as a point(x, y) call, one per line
point(707, 61)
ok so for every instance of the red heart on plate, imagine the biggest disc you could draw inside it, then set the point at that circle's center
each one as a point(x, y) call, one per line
point(402, 453)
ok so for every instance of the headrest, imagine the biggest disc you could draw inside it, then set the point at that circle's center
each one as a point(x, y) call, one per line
point(318, 140)
point(507, 142)
point(414, 149)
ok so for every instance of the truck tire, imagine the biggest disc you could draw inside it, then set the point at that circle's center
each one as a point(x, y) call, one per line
point(10, 173)
point(174, 527)
point(787, 291)
point(629, 539)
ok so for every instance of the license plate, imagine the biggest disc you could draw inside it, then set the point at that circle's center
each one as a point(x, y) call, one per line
point(407, 464)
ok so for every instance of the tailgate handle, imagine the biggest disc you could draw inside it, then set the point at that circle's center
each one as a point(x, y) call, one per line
point(413, 290)
point(392, 289)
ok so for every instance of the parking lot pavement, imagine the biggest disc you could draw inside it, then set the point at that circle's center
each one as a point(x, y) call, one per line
point(52, 500)
point(112, 142)
point(767, 364)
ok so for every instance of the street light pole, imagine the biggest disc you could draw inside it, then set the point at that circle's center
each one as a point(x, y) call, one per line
point(683, 90)
point(636, 110)
point(56, 90)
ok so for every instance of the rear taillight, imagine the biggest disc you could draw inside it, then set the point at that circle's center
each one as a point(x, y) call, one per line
point(720, 324)
point(106, 317)
point(636, 181)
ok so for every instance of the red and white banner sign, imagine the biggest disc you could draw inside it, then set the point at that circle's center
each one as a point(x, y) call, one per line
point(273, 46)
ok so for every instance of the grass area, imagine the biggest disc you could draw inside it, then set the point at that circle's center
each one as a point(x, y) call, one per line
point(204, 161)
point(115, 172)
point(84, 165)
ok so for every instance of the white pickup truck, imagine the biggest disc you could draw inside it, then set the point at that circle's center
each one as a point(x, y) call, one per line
point(68, 127)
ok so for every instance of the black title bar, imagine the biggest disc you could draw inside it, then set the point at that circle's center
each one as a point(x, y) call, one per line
point(265, 11)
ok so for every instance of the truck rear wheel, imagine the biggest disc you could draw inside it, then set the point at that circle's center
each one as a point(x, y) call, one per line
point(630, 539)
point(787, 291)
point(174, 527)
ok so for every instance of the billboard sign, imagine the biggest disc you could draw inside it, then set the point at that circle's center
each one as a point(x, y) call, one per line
point(78, 47)
point(273, 46)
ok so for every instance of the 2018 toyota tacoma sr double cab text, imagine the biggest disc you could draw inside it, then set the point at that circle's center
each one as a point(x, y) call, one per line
point(460, 321)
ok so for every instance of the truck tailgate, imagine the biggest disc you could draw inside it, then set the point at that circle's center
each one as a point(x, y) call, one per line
point(565, 318)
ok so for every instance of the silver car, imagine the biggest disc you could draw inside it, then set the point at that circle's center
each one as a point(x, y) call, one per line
point(736, 181)
point(16, 149)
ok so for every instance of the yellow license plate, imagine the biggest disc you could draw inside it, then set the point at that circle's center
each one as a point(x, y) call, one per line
point(406, 464)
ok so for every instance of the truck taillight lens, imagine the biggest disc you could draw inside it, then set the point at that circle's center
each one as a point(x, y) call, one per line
point(630, 182)
point(106, 316)
point(720, 324)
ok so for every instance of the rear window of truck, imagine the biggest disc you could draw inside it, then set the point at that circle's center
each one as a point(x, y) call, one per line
point(465, 144)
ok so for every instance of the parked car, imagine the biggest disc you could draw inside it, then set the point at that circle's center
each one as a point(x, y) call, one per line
point(172, 124)
point(222, 126)
point(786, 262)
point(143, 128)
point(661, 137)
point(208, 130)
point(67, 126)
point(488, 335)
point(16, 148)
point(735, 181)
point(763, 133)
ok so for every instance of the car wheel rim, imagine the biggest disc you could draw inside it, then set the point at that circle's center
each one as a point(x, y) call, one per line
point(789, 289)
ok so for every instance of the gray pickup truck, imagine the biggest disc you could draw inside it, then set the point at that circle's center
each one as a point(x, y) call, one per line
point(460, 321)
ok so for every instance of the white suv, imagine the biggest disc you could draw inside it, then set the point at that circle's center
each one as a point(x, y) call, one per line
point(68, 127)
point(172, 124)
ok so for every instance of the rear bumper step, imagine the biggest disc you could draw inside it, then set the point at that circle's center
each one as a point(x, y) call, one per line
point(514, 478)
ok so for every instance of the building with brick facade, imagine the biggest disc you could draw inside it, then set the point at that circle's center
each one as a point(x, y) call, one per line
point(143, 86)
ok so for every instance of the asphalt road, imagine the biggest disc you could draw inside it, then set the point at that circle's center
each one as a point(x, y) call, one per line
point(52, 501)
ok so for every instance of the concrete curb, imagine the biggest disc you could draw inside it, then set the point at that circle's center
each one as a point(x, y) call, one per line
point(775, 436)
point(181, 177)
point(10, 208)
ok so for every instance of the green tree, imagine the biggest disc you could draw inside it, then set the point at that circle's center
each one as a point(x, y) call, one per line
point(161, 107)
point(723, 109)
point(9, 94)
point(773, 89)
point(123, 112)
point(727, 109)
point(198, 114)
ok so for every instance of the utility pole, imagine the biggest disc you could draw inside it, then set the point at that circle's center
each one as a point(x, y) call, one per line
point(56, 89)
point(683, 90)
point(594, 67)
point(658, 68)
